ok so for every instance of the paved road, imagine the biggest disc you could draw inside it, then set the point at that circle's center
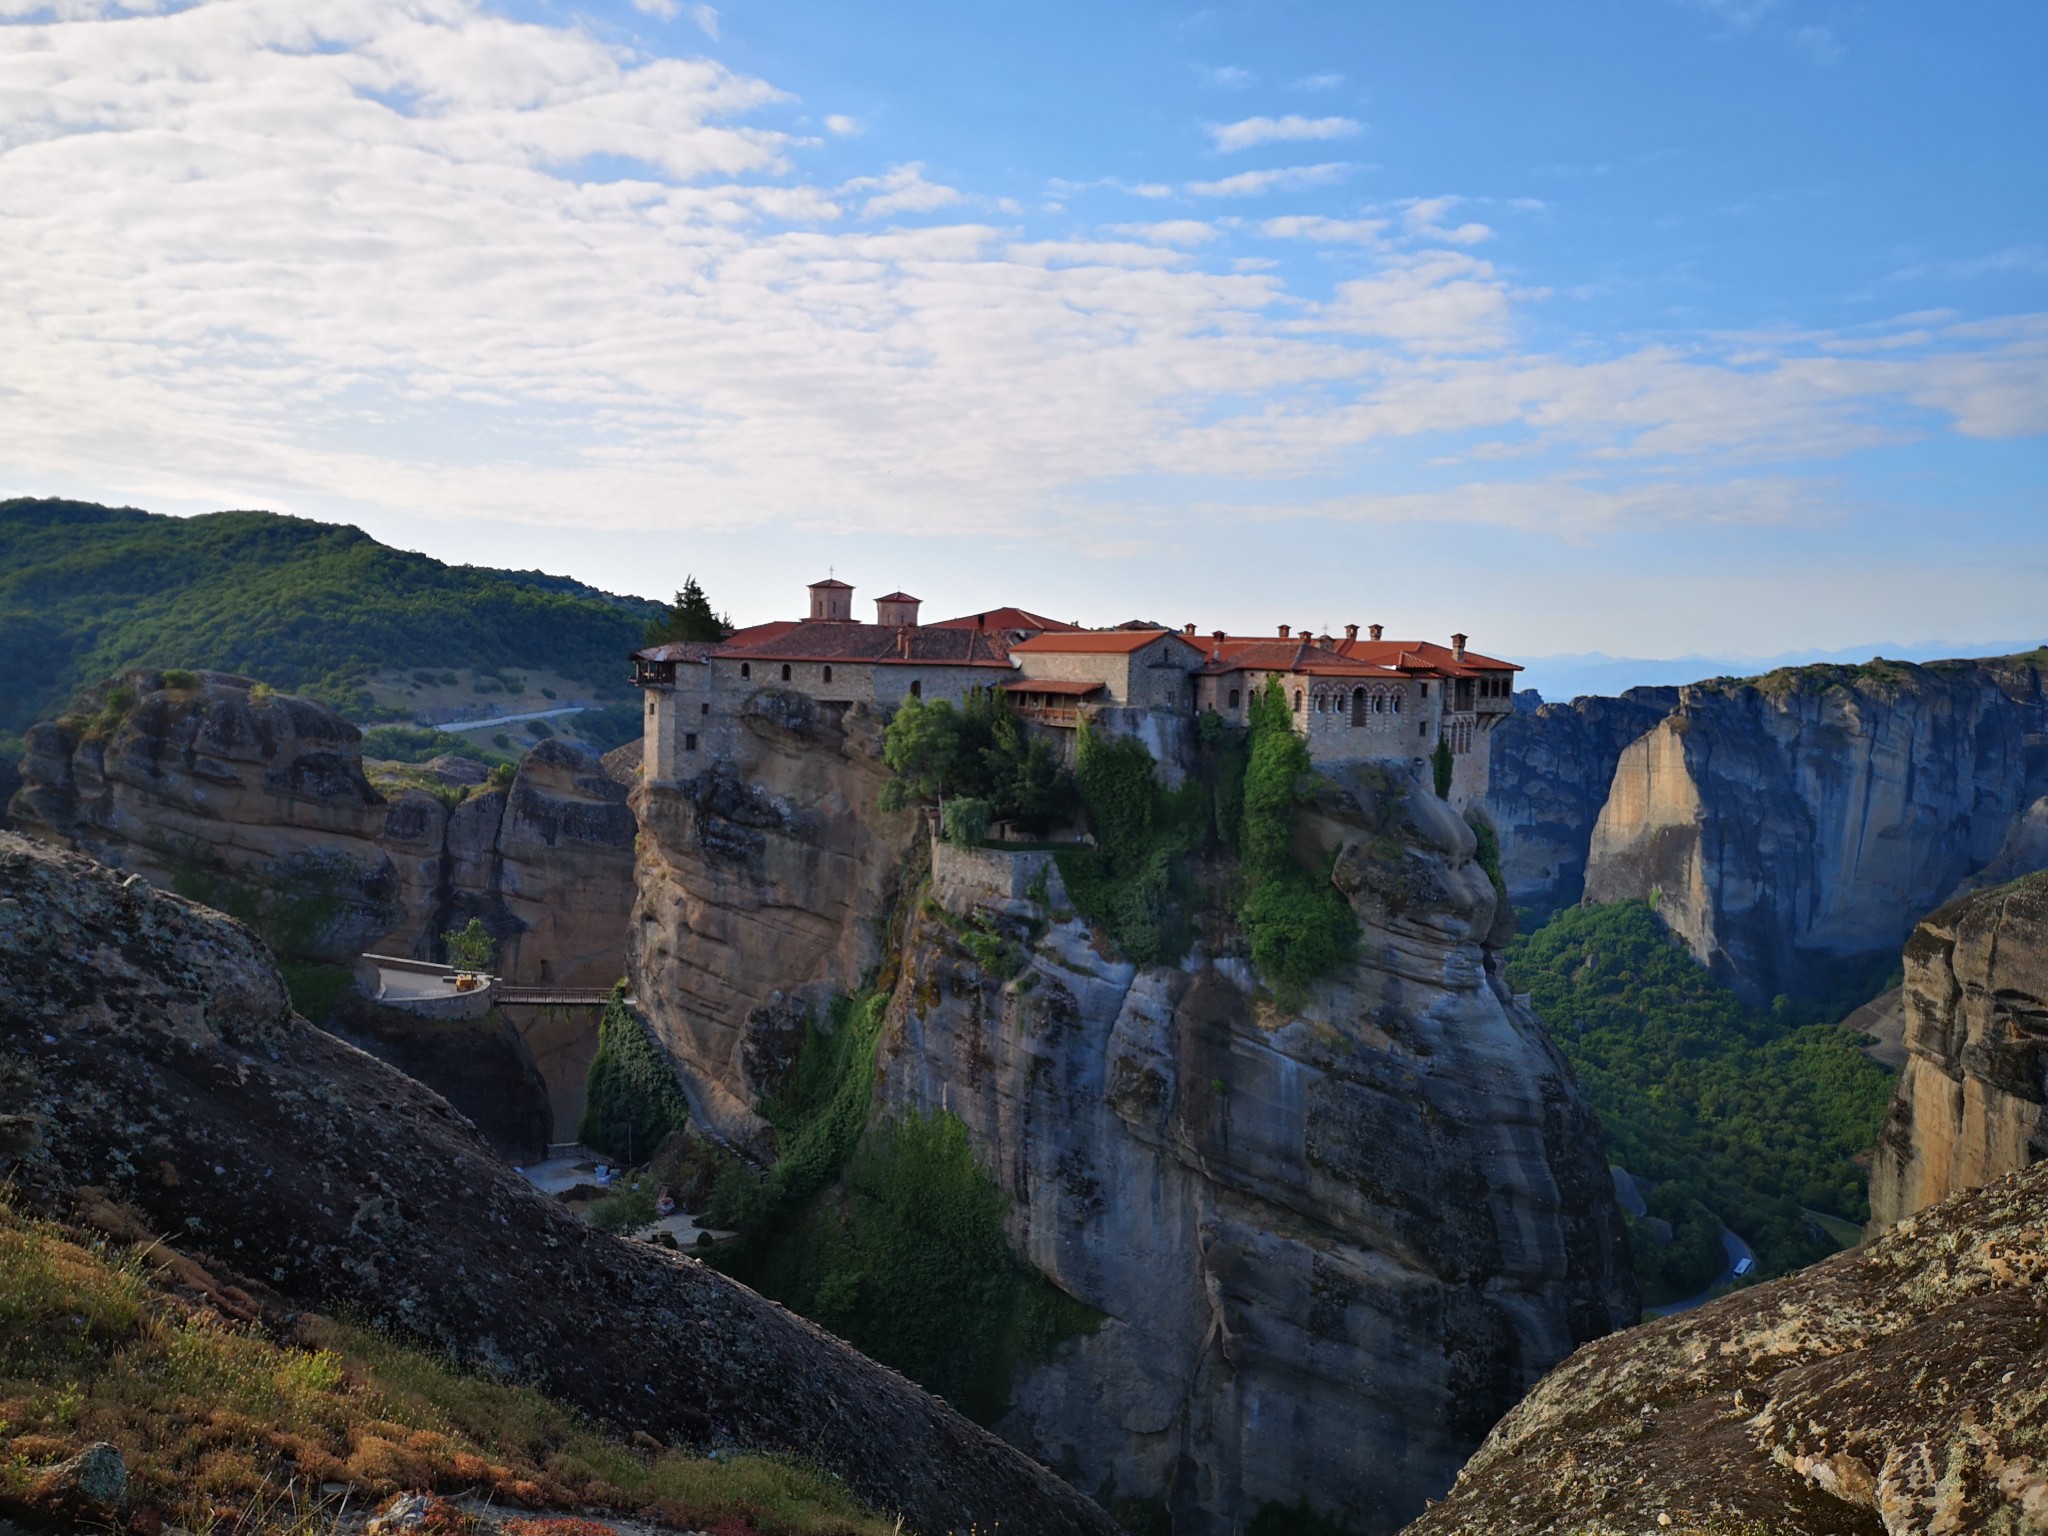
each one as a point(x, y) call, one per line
point(1736, 1251)
point(478, 725)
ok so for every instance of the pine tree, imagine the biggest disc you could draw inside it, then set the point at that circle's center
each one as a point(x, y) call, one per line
point(689, 617)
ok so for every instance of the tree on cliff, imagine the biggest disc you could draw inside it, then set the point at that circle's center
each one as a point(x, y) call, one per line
point(689, 617)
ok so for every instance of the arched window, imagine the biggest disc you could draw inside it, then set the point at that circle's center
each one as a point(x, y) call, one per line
point(1395, 703)
point(1233, 698)
point(1297, 700)
point(828, 674)
point(785, 671)
point(917, 688)
point(1358, 706)
point(746, 669)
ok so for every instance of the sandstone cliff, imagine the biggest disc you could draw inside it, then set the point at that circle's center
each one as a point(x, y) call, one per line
point(259, 802)
point(1897, 1388)
point(1793, 827)
point(763, 884)
point(1551, 769)
point(1331, 1245)
point(148, 1050)
point(1972, 1100)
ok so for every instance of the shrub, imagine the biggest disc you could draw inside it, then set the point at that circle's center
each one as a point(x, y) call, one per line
point(965, 821)
point(1299, 924)
point(632, 1101)
point(417, 744)
point(1441, 767)
point(471, 947)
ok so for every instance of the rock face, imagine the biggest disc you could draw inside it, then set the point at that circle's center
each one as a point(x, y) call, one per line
point(258, 802)
point(1898, 1388)
point(148, 1050)
point(1331, 1245)
point(1972, 1100)
point(1793, 827)
point(1551, 769)
point(762, 882)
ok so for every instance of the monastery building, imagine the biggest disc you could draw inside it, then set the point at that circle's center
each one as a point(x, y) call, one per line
point(1353, 699)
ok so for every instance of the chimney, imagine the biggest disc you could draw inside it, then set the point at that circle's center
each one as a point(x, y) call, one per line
point(1458, 647)
point(1188, 630)
point(903, 642)
point(1285, 630)
point(1374, 631)
point(1350, 631)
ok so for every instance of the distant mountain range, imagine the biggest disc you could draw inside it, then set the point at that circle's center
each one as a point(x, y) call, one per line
point(1568, 675)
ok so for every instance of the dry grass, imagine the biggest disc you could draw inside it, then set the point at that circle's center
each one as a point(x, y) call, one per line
point(228, 1429)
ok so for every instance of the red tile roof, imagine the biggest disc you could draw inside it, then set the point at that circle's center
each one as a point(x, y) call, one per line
point(1319, 656)
point(1095, 642)
point(882, 645)
point(1005, 619)
point(1420, 653)
point(899, 597)
point(829, 582)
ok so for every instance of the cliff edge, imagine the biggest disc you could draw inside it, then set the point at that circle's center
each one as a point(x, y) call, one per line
point(1972, 1099)
point(1792, 828)
point(1329, 1243)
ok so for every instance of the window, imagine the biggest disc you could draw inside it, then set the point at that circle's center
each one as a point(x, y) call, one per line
point(704, 709)
point(1425, 690)
point(746, 669)
point(1422, 727)
point(650, 706)
point(1395, 703)
point(785, 671)
point(917, 689)
point(1233, 698)
point(689, 741)
point(828, 674)
point(1297, 700)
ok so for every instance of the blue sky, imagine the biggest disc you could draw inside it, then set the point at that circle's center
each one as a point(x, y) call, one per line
point(1653, 327)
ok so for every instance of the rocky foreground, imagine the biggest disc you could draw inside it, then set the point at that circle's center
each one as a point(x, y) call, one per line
point(150, 1060)
point(1899, 1388)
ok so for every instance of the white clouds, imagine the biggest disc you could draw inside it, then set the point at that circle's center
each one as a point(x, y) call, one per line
point(1324, 82)
point(265, 250)
point(1170, 232)
point(1257, 183)
point(1427, 218)
point(845, 127)
point(903, 190)
point(667, 10)
point(1229, 77)
point(1254, 131)
point(1325, 230)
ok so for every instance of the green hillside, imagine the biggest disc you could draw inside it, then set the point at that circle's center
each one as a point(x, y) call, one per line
point(1754, 1117)
point(309, 607)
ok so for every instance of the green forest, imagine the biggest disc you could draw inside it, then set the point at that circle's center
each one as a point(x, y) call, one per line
point(1750, 1116)
point(86, 591)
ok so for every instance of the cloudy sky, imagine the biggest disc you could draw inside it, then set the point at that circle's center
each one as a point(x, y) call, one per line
point(1647, 326)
